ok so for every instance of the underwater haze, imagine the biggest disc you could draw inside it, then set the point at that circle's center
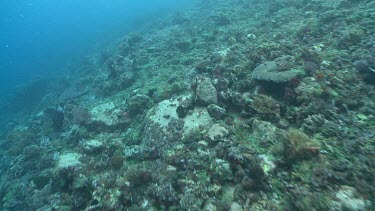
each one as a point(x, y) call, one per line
point(39, 37)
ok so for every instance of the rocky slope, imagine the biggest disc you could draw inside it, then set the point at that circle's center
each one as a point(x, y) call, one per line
point(235, 105)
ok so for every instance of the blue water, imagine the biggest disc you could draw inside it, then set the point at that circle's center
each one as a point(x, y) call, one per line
point(39, 37)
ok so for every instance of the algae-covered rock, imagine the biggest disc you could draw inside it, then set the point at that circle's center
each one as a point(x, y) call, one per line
point(69, 160)
point(162, 119)
point(217, 132)
point(107, 117)
point(298, 146)
point(264, 131)
point(308, 89)
point(347, 198)
point(105, 113)
point(313, 123)
point(41, 180)
point(93, 145)
point(366, 69)
point(216, 111)
point(266, 107)
point(205, 92)
point(279, 71)
point(163, 128)
point(235, 207)
point(138, 103)
point(221, 170)
point(267, 164)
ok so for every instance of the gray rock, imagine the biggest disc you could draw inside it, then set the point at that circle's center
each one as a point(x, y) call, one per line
point(205, 92)
point(105, 114)
point(164, 115)
point(107, 117)
point(279, 71)
point(216, 111)
point(217, 133)
point(93, 145)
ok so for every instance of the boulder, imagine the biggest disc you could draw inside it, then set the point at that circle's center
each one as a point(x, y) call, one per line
point(216, 111)
point(107, 117)
point(105, 113)
point(163, 121)
point(279, 71)
point(205, 93)
point(217, 133)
